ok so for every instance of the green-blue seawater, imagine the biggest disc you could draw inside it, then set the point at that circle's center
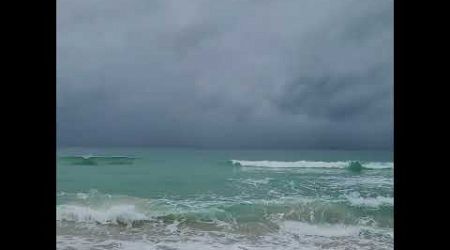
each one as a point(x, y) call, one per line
point(183, 198)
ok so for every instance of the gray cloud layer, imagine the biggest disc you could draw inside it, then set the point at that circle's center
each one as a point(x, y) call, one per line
point(236, 73)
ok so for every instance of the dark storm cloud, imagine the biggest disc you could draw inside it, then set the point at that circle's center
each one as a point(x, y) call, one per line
point(235, 73)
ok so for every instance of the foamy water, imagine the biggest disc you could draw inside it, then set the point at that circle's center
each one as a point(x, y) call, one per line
point(188, 199)
point(310, 164)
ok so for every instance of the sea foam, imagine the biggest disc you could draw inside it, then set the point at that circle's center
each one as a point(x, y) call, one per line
point(310, 164)
point(356, 199)
point(118, 214)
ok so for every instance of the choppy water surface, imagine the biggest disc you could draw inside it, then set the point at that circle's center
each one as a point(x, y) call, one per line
point(150, 198)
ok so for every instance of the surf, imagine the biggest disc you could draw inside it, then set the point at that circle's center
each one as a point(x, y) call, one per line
point(355, 166)
point(97, 160)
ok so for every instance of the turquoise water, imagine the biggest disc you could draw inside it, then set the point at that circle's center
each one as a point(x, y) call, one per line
point(175, 198)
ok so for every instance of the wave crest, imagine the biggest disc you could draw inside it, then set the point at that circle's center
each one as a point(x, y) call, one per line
point(222, 214)
point(97, 160)
point(356, 199)
point(118, 214)
point(311, 164)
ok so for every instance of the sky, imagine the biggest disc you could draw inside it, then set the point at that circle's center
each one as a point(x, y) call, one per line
point(310, 74)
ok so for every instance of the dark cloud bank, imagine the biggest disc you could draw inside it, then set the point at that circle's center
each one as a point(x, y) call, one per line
point(234, 73)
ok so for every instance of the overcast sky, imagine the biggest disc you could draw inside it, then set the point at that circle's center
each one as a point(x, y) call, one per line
point(229, 73)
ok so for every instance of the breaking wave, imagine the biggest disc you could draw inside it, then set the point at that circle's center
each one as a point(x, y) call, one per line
point(313, 164)
point(97, 160)
point(355, 199)
point(223, 214)
point(119, 214)
point(124, 222)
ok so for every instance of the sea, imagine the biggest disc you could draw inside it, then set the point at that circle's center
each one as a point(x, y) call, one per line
point(188, 198)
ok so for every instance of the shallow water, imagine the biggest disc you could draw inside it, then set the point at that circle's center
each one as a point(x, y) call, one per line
point(156, 198)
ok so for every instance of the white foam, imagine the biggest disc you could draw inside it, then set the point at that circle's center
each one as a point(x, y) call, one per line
point(88, 156)
point(253, 182)
point(292, 235)
point(194, 243)
point(355, 199)
point(118, 214)
point(378, 165)
point(293, 164)
point(309, 164)
point(82, 196)
point(325, 230)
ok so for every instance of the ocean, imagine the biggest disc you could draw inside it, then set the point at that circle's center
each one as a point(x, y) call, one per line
point(182, 198)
